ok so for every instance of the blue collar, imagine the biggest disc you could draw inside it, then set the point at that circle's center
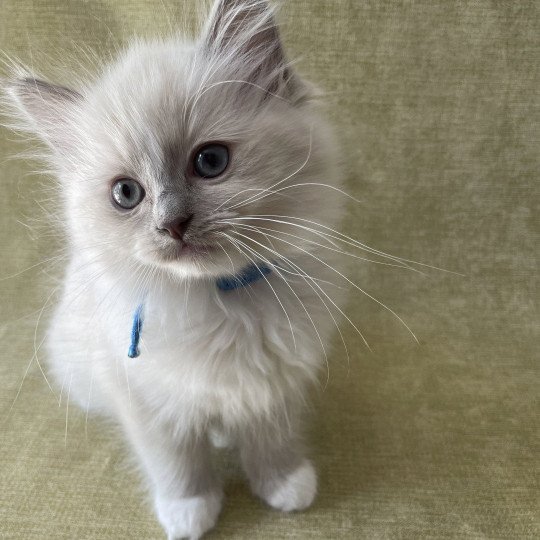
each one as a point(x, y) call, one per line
point(136, 329)
point(248, 275)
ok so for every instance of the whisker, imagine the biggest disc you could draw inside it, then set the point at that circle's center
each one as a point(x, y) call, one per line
point(353, 284)
point(259, 190)
point(10, 276)
point(365, 246)
point(255, 198)
point(292, 273)
point(268, 192)
point(276, 268)
point(345, 240)
point(319, 184)
point(36, 348)
point(67, 409)
point(319, 287)
point(232, 81)
point(251, 227)
point(88, 403)
point(275, 294)
point(21, 385)
point(305, 277)
point(228, 256)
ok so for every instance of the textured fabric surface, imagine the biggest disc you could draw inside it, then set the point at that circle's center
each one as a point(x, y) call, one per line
point(437, 106)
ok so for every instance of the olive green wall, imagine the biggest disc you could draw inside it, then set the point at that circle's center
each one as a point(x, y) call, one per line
point(437, 105)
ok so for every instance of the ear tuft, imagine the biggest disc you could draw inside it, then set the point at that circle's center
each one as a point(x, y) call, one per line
point(245, 25)
point(41, 108)
point(245, 32)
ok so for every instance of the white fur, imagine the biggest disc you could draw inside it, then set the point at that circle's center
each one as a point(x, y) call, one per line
point(296, 491)
point(189, 517)
point(237, 363)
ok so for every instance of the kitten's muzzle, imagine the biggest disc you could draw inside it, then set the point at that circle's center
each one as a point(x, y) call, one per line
point(176, 228)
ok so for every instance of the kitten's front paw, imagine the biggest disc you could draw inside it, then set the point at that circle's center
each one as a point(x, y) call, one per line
point(188, 517)
point(294, 492)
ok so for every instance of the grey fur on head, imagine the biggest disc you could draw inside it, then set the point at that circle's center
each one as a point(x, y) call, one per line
point(149, 111)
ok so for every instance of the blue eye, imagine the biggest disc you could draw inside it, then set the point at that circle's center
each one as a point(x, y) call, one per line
point(211, 160)
point(127, 193)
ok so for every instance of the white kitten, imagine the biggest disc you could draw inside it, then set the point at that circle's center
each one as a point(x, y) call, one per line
point(191, 178)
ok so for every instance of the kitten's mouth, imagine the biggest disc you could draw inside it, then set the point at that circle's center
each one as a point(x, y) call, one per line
point(185, 250)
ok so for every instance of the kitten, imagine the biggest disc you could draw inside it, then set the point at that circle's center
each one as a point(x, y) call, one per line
point(199, 183)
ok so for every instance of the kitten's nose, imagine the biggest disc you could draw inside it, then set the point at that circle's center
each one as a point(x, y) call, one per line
point(177, 228)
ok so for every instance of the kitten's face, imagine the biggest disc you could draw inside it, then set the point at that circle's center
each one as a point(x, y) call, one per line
point(177, 143)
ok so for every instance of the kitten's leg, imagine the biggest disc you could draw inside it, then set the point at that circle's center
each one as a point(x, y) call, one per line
point(277, 469)
point(187, 495)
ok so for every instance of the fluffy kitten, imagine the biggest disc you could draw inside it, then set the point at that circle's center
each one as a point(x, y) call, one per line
point(195, 178)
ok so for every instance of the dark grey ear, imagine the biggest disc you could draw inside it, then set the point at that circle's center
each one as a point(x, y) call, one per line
point(45, 109)
point(246, 32)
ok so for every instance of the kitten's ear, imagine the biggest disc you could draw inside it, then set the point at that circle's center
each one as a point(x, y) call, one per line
point(42, 108)
point(247, 33)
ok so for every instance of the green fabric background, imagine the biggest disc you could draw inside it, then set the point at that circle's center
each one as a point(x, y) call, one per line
point(437, 104)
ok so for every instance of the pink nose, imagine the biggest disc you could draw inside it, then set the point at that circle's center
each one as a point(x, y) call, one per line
point(178, 227)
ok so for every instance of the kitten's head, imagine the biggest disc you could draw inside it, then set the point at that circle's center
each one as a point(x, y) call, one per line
point(178, 149)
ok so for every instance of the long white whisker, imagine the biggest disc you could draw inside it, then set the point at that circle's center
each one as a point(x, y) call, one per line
point(338, 236)
point(67, 409)
point(317, 285)
point(232, 81)
point(365, 246)
point(353, 284)
point(319, 184)
point(292, 273)
point(258, 228)
point(255, 198)
point(275, 294)
point(88, 403)
point(305, 277)
point(45, 261)
point(238, 193)
point(22, 383)
point(277, 270)
point(228, 256)
point(36, 348)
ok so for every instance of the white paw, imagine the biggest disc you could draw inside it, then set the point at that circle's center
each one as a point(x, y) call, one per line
point(188, 517)
point(296, 491)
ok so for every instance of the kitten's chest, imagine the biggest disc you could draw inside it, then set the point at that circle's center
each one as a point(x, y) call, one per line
point(206, 352)
point(219, 353)
point(208, 325)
